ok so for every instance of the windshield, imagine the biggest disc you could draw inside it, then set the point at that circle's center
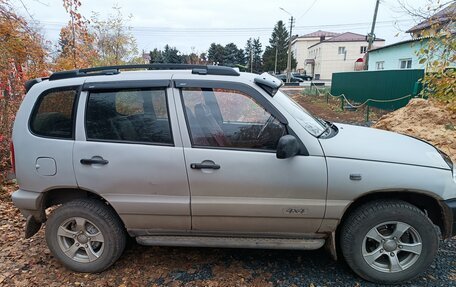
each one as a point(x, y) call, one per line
point(304, 118)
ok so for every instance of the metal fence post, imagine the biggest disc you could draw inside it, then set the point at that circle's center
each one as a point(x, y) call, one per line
point(367, 113)
point(342, 103)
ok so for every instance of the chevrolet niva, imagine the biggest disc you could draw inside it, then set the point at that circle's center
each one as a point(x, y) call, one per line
point(195, 155)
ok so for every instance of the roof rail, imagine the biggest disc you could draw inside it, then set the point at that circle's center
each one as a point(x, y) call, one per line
point(112, 70)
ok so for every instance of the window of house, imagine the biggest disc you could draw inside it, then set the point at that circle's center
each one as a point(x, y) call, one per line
point(129, 115)
point(229, 118)
point(341, 50)
point(54, 114)
point(379, 65)
point(363, 50)
point(405, 63)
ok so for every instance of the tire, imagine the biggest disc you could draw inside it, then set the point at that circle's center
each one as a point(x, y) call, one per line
point(399, 257)
point(89, 231)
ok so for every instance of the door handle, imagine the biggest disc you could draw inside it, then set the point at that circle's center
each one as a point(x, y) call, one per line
point(204, 165)
point(94, 160)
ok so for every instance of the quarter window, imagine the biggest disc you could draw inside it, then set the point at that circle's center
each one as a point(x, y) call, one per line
point(54, 114)
point(129, 115)
point(229, 118)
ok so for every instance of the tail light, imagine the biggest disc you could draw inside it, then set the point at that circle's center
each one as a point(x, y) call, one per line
point(13, 158)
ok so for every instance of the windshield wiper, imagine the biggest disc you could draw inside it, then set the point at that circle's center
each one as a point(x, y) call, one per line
point(328, 126)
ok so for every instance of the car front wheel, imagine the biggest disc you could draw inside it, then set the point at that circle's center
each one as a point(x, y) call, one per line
point(388, 241)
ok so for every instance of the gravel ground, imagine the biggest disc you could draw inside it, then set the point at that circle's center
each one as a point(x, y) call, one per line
point(28, 262)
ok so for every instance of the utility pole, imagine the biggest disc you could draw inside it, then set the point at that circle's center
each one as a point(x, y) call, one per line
point(251, 59)
point(275, 63)
point(289, 50)
point(371, 36)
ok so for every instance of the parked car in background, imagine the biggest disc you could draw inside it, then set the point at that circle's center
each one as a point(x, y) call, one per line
point(304, 77)
point(293, 79)
point(191, 155)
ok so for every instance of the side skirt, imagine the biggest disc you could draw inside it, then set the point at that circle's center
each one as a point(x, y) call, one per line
point(231, 242)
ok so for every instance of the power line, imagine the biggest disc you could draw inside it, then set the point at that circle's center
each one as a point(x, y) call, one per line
point(308, 9)
point(240, 29)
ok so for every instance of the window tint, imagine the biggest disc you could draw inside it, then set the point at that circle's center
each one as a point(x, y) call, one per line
point(53, 117)
point(229, 118)
point(128, 115)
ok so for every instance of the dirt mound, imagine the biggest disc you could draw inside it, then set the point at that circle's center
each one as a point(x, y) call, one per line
point(424, 119)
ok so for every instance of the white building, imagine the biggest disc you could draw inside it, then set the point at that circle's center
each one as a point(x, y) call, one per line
point(342, 53)
point(300, 45)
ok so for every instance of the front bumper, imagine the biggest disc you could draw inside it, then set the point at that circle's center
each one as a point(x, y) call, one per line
point(450, 206)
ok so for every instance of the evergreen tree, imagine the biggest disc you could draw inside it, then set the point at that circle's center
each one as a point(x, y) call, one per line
point(230, 55)
point(278, 41)
point(240, 57)
point(156, 56)
point(253, 51)
point(215, 54)
point(171, 55)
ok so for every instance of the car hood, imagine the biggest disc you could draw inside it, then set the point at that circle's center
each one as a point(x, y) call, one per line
point(363, 143)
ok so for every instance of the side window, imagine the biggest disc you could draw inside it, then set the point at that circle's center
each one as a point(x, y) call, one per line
point(54, 114)
point(128, 115)
point(229, 118)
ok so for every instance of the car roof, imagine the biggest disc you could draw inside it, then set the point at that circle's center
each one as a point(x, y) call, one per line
point(153, 71)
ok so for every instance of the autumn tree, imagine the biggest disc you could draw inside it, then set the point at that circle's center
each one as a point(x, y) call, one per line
point(76, 43)
point(436, 48)
point(114, 40)
point(22, 57)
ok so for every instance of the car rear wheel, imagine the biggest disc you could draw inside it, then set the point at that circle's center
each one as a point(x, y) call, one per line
point(85, 235)
point(388, 241)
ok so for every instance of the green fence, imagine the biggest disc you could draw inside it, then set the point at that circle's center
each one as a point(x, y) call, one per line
point(381, 87)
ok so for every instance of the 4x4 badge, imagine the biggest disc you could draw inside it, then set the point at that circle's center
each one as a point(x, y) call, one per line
point(296, 211)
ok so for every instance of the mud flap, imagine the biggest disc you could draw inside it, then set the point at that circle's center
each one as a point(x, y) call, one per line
point(31, 226)
point(330, 245)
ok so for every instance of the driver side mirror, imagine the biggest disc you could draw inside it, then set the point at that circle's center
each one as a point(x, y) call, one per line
point(287, 147)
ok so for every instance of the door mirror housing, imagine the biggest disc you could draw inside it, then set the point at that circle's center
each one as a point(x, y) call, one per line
point(287, 147)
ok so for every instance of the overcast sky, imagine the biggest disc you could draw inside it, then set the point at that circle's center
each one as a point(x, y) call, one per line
point(194, 25)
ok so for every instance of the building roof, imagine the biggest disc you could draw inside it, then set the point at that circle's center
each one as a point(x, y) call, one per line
point(319, 33)
point(347, 37)
point(397, 44)
point(443, 16)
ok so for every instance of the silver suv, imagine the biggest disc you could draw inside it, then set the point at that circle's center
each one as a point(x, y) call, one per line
point(185, 155)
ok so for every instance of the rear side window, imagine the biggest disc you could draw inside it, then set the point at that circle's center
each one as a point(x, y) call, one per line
point(53, 116)
point(128, 115)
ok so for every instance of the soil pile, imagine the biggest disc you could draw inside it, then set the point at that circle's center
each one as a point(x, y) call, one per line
point(424, 119)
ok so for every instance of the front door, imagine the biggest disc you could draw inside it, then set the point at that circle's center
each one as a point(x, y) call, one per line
point(236, 182)
point(128, 151)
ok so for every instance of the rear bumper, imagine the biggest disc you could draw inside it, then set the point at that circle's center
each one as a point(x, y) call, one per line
point(24, 199)
point(450, 216)
point(30, 203)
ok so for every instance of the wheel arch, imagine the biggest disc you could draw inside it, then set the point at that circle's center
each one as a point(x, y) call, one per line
point(58, 196)
point(429, 204)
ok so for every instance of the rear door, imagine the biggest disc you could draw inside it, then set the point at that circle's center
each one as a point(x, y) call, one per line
point(237, 184)
point(128, 150)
